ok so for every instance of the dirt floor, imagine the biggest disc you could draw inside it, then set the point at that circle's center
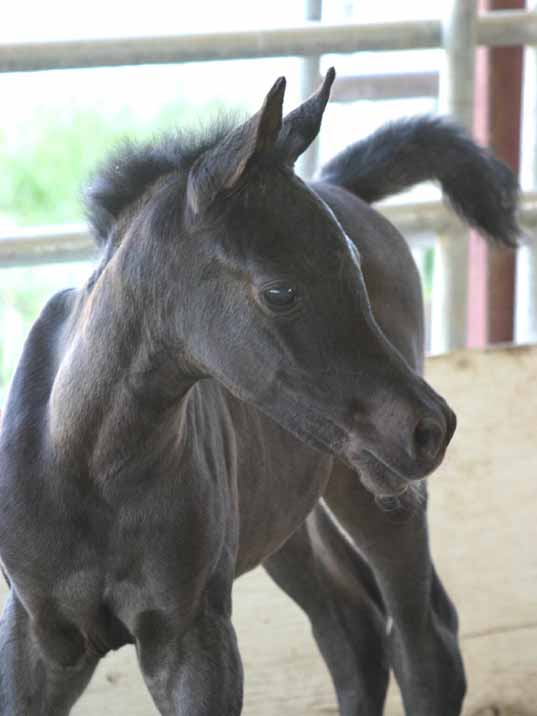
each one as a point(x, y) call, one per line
point(483, 512)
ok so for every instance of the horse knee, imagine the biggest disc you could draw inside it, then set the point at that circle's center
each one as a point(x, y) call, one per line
point(195, 671)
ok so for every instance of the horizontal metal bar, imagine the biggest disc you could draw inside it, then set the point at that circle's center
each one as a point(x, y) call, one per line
point(498, 28)
point(384, 86)
point(300, 40)
point(56, 244)
point(503, 28)
point(415, 218)
point(45, 245)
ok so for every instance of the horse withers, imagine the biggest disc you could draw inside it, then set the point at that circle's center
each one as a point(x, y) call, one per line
point(238, 383)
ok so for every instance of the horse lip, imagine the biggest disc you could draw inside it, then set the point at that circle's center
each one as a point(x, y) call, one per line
point(380, 479)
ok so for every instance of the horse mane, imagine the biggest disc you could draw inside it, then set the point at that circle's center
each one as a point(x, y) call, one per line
point(133, 167)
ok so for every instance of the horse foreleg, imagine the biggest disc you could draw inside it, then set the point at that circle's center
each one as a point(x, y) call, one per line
point(32, 683)
point(423, 640)
point(327, 578)
point(192, 672)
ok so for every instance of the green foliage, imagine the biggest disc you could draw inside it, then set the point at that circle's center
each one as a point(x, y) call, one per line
point(44, 166)
point(46, 162)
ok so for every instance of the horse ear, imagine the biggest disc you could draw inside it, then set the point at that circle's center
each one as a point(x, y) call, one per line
point(301, 126)
point(221, 167)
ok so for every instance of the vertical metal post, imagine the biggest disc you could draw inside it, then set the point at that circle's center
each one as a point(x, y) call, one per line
point(477, 330)
point(450, 287)
point(526, 260)
point(307, 164)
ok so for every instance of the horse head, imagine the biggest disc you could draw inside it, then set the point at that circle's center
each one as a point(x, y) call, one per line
point(277, 309)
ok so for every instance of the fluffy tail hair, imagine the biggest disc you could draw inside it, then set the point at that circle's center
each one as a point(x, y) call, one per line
point(480, 188)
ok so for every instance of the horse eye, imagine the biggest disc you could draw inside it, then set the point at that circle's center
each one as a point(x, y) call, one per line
point(280, 297)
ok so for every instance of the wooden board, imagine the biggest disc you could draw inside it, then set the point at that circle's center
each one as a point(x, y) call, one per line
point(484, 525)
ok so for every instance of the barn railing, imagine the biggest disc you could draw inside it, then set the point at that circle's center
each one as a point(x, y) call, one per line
point(459, 33)
point(492, 29)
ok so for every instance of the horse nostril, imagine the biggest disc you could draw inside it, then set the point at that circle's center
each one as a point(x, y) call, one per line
point(429, 438)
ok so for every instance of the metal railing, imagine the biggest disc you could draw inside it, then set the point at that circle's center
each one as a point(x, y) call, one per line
point(459, 34)
point(306, 40)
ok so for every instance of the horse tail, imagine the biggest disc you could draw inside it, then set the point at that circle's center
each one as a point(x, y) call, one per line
point(479, 187)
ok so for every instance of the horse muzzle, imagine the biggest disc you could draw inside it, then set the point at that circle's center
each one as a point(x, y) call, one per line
point(387, 466)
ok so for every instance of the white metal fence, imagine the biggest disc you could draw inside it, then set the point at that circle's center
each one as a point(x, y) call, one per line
point(459, 34)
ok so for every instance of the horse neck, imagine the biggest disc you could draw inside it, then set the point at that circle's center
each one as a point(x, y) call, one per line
point(119, 390)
